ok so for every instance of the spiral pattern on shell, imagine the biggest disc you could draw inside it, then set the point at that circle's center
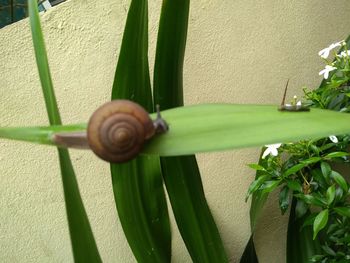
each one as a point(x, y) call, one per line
point(117, 130)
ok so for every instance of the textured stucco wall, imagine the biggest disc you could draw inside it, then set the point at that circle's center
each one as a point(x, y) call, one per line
point(238, 51)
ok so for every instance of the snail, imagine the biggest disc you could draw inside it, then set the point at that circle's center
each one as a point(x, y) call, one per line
point(118, 129)
point(294, 105)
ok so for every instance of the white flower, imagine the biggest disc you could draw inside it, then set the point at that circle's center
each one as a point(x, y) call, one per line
point(344, 53)
point(271, 149)
point(333, 138)
point(326, 70)
point(324, 53)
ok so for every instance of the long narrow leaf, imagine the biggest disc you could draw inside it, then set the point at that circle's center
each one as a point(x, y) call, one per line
point(83, 243)
point(300, 245)
point(249, 254)
point(40, 135)
point(213, 127)
point(137, 185)
point(193, 128)
point(259, 199)
point(181, 174)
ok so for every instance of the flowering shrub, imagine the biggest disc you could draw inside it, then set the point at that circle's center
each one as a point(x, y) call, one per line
point(306, 171)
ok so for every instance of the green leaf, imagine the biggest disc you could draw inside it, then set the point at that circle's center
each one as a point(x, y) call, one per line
point(326, 170)
point(83, 243)
point(328, 250)
point(301, 208)
point(139, 198)
point(43, 64)
point(269, 186)
point(249, 254)
point(311, 160)
point(284, 199)
point(192, 128)
point(181, 174)
point(300, 245)
point(256, 167)
point(336, 155)
point(191, 211)
point(320, 222)
point(294, 185)
point(310, 199)
point(330, 194)
point(258, 198)
point(40, 135)
point(256, 184)
point(343, 211)
point(339, 179)
point(309, 220)
point(137, 185)
point(294, 169)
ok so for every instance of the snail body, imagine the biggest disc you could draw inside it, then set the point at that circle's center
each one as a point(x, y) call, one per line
point(118, 129)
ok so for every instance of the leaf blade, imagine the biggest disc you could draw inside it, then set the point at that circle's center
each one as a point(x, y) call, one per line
point(193, 128)
point(204, 128)
point(83, 243)
point(137, 185)
point(320, 222)
point(194, 220)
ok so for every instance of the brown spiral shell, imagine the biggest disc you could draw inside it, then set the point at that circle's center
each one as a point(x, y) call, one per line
point(117, 130)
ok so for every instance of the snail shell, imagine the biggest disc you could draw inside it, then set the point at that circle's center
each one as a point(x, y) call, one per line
point(118, 129)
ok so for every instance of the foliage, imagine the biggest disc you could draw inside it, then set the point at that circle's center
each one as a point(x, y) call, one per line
point(83, 243)
point(307, 170)
point(304, 170)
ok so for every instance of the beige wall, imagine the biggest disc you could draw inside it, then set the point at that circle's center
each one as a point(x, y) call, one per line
point(240, 51)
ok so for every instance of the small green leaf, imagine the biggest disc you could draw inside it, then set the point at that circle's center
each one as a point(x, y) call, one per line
point(326, 170)
point(340, 180)
point(317, 258)
point(269, 186)
point(336, 154)
point(315, 149)
point(256, 167)
point(310, 199)
point(339, 193)
point(294, 185)
point(258, 198)
point(328, 250)
point(311, 160)
point(330, 194)
point(256, 184)
point(343, 211)
point(320, 222)
point(301, 208)
point(309, 220)
point(294, 169)
point(284, 199)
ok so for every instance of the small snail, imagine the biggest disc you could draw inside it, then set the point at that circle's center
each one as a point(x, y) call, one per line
point(294, 105)
point(118, 129)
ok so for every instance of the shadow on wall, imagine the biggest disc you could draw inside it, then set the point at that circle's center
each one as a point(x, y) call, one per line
point(12, 11)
